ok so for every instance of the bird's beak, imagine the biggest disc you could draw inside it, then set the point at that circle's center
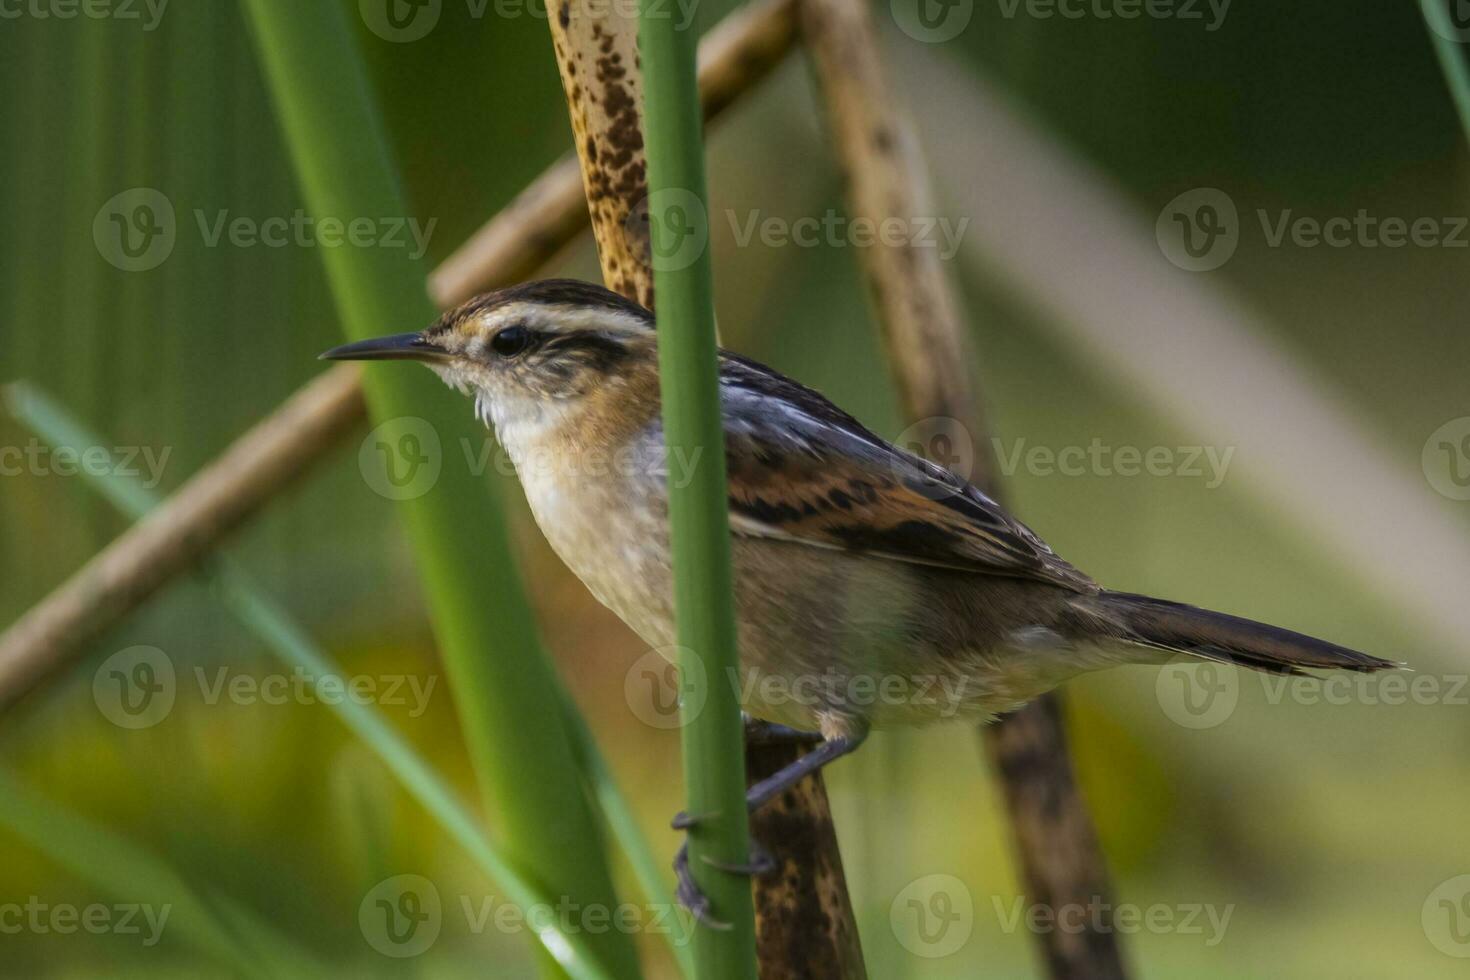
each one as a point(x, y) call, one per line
point(398, 347)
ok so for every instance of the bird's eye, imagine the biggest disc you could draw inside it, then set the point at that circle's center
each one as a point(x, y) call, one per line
point(511, 341)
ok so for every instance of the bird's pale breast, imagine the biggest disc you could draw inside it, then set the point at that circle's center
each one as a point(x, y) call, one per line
point(828, 639)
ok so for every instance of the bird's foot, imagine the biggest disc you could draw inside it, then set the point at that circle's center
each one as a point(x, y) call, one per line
point(684, 820)
point(693, 898)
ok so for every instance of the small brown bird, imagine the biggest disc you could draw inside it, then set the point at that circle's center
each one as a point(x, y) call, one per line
point(872, 587)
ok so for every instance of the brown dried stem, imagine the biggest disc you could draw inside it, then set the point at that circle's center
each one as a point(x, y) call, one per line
point(1062, 861)
point(804, 920)
point(546, 216)
point(804, 926)
point(174, 537)
point(738, 52)
point(597, 55)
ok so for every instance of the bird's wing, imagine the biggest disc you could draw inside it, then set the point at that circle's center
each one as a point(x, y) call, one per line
point(802, 470)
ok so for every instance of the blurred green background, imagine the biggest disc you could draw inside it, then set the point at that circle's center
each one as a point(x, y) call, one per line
point(1323, 827)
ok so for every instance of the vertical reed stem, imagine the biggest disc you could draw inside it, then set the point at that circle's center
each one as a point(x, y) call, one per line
point(504, 687)
point(714, 765)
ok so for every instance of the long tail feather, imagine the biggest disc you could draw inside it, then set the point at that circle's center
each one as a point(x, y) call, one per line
point(1167, 625)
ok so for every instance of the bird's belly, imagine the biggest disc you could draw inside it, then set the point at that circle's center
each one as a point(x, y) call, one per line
point(618, 548)
point(836, 641)
point(824, 635)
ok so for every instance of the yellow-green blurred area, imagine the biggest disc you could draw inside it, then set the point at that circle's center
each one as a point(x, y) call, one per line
point(1286, 831)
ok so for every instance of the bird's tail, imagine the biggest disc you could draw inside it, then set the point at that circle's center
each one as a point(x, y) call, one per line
point(1165, 625)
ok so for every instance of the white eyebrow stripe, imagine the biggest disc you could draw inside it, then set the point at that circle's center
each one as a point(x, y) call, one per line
point(567, 318)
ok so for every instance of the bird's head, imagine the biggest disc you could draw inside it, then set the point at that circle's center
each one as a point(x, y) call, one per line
point(532, 354)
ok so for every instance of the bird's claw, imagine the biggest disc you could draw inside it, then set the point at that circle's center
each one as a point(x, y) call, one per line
point(690, 896)
point(685, 821)
point(761, 863)
point(688, 891)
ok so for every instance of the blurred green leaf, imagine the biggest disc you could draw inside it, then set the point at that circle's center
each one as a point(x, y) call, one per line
point(223, 931)
point(267, 620)
point(500, 678)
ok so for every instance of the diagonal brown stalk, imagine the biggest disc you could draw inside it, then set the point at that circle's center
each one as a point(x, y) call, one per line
point(1062, 861)
point(279, 449)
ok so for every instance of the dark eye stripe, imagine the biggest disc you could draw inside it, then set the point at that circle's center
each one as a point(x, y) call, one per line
point(602, 348)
